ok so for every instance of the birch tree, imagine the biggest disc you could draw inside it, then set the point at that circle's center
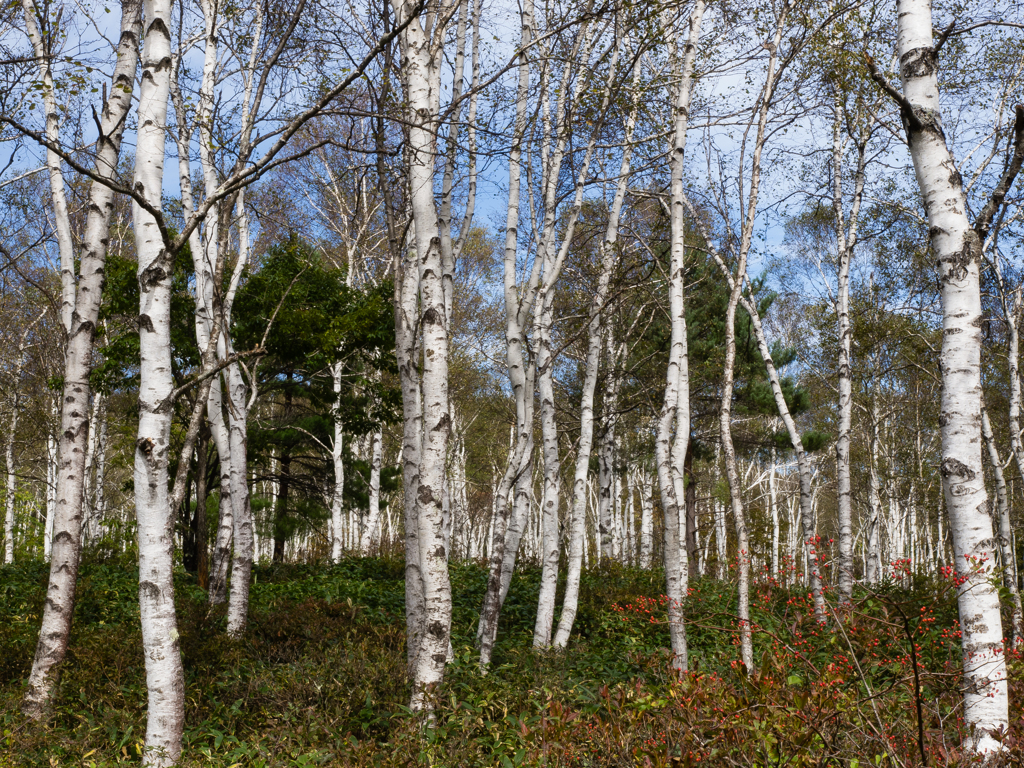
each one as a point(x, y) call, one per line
point(673, 432)
point(164, 675)
point(957, 247)
point(595, 326)
point(421, 321)
point(739, 244)
point(10, 489)
point(80, 311)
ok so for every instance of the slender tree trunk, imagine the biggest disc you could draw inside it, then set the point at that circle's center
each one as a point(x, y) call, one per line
point(609, 256)
point(873, 566)
point(12, 428)
point(843, 481)
point(82, 317)
point(1008, 562)
point(520, 370)
point(732, 472)
point(338, 456)
point(43, 48)
point(371, 533)
point(773, 502)
point(745, 240)
point(552, 479)
point(100, 503)
point(201, 529)
point(241, 562)
point(690, 502)
point(1011, 313)
point(846, 242)
point(52, 471)
point(646, 518)
point(670, 452)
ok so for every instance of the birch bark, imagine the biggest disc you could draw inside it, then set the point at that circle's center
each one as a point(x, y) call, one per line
point(957, 250)
point(609, 256)
point(646, 518)
point(164, 674)
point(203, 243)
point(43, 52)
point(83, 312)
point(10, 489)
point(670, 452)
point(371, 533)
point(846, 241)
point(338, 457)
point(1007, 559)
point(424, 274)
point(732, 473)
point(521, 372)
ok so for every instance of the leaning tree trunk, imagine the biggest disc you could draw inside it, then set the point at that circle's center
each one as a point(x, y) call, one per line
point(164, 675)
point(609, 256)
point(74, 415)
point(957, 251)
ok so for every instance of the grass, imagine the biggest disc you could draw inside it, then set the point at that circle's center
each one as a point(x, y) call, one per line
point(319, 677)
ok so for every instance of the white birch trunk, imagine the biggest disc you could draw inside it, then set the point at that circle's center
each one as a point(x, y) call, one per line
point(670, 452)
point(81, 305)
point(773, 502)
point(578, 520)
point(646, 518)
point(11, 488)
point(43, 50)
point(338, 457)
point(52, 472)
point(732, 472)
point(957, 249)
point(371, 533)
point(241, 561)
point(873, 564)
point(1007, 560)
point(425, 272)
point(521, 373)
point(846, 240)
point(164, 675)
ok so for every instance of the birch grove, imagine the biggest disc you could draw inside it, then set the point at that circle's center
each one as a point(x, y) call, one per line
point(561, 315)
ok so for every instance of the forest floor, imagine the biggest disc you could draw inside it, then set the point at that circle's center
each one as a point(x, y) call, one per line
point(319, 677)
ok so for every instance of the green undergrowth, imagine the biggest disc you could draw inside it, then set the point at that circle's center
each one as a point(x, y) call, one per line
point(319, 678)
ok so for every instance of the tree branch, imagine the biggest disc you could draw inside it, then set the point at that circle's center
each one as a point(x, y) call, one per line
point(984, 221)
point(906, 108)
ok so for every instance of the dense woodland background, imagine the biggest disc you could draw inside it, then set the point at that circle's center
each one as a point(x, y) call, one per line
point(489, 384)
